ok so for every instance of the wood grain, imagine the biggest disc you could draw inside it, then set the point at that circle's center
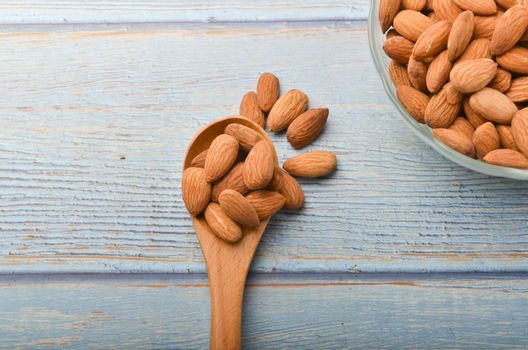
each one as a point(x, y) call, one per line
point(144, 11)
point(281, 312)
point(96, 119)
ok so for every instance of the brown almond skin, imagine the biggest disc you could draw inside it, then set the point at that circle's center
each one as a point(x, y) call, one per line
point(485, 26)
point(414, 101)
point(246, 137)
point(306, 127)
point(479, 7)
point(518, 91)
point(268, 89)
point(446, 9)
point(501, 81)
point(411, 24)
point(238, 208)
point(221, 156)
point(196, 191)
point(493, 105)
point(460, 35)
point(311, 164)
point(438, 72)
point(387, 11)
point(276, 182)
point(398, 48)
point(463, 126)
point(473, 75)
point(288, 107)
point(417, 72)
point(266, 203)
point(440, 111)
point(473, 118)
point(416, 5)
point(519, 128)
point(515, 60)
point(221, 224)
point(250, 109)
point(507, 158)
point(479, 48)
point(259, 166)
point(292, 192)
point(456, 140)
point(509, 29)
point(432, 41)
point(199, 160)
point(506, 137)
point(485, 139)
point(398, 74)
point(233, 180)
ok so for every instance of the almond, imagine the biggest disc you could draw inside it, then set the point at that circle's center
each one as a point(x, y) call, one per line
point(438, 72)
point(199, 160)
point(268, 89)
point(460, 35)
point(233, 180)
point(485, 139)
point(519, 128)
point(259, 166)
point(446, 9)
point(478, 7)
point(238, 208)
point(479, 48)
point(509, 29)
point(501, 81)
point(509, 3)
point(493, 105)
point(463, 126)
point(266, 203)
point(221, 224)
point(471, 76)
point(246, 137)
point(443, 108)
point(506, 137)
point(416, 5)
point(507, 158)
point(485, 26)
point(221, 156)
point(250, 109)
point(456, 140)
point(518, 91)
point(417, 71)
point(411, 24)
point(414, 101)
point(292, 192)
point(398, 74)
point(196, 191)
point(306, 127)
point(515, 60)
point(473, 118)
point(387, 11)
point(311, 164)
point(288, 107)
point(391, 34)
point(432, 41)
point(398, 48)
point(276, 182)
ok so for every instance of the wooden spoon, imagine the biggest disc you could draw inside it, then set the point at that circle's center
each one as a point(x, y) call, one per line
point(227, 263)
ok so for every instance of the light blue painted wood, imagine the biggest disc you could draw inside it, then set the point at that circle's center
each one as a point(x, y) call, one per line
point(143, 11)
point(77, 100)
point(281, 312)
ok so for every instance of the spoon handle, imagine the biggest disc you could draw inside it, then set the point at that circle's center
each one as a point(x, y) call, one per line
point(227, 295)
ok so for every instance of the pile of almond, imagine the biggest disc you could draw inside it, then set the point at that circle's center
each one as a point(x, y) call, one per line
point(461, 67)
point(237, 182)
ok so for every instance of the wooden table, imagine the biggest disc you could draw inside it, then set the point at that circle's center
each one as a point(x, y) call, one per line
point(400, 248)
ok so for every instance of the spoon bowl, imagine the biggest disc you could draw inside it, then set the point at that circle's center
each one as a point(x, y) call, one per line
point(227, 263)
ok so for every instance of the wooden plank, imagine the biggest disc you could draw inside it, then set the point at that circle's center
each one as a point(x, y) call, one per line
point(281, 312)
point(144, 11)
point(95, 122)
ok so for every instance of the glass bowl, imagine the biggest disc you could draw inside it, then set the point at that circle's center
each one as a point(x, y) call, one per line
point(381, 61)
